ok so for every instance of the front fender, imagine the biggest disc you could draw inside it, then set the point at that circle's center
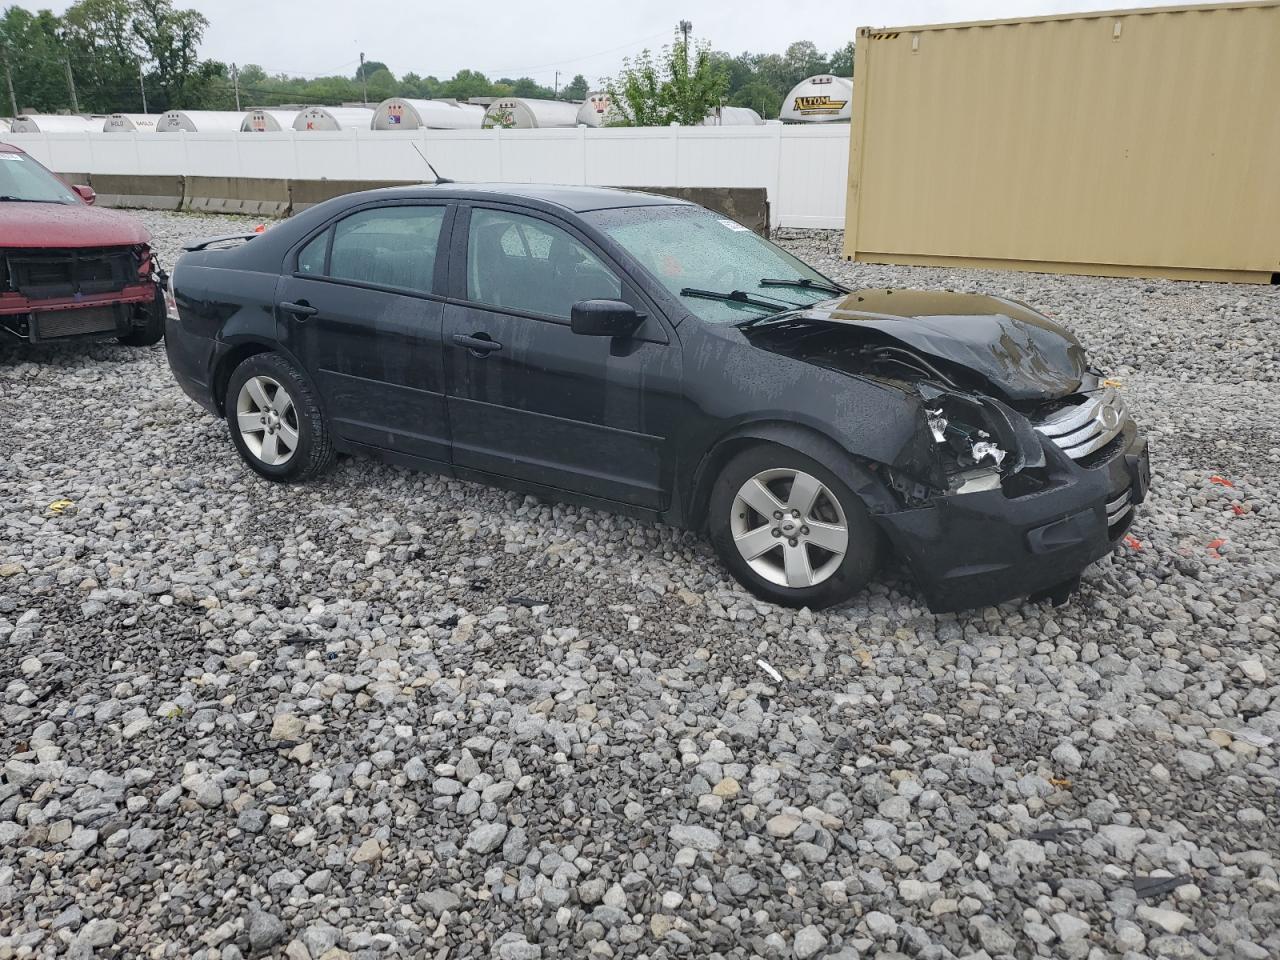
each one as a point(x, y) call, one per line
point(857, 473)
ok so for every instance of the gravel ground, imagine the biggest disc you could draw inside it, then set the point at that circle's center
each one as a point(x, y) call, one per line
point(241, 719)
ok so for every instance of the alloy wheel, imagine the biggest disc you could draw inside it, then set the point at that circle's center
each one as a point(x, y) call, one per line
point(267, 420)
point(789, 528)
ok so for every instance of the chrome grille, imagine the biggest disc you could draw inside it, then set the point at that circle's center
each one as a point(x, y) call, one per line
point(1117, 508)
point(1086, 427)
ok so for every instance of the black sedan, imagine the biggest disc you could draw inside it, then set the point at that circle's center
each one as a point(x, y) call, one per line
point(646, 355)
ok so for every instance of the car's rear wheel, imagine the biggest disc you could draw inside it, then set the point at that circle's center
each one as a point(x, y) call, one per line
point(790, 530)
point(275, 420)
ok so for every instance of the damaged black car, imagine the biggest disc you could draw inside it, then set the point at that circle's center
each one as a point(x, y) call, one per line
point(648, 356)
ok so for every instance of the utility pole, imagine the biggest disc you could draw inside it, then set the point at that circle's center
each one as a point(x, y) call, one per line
point(71, 85)
point(556, 88)
point(13, 101)
point(142, 85)
point(364, 81)
point(685, 27)
point(235, 81)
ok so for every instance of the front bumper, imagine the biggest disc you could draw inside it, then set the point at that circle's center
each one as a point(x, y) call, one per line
point(92, 316)
point(977, 549)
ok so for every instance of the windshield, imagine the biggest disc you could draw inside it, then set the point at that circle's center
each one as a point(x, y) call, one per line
point(21, 178)
point(691, 248)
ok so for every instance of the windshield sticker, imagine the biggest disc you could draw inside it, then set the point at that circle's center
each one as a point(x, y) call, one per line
point(11, 156)
point(733, 225)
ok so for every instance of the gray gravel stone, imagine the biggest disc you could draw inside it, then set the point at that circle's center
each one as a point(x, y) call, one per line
point(247, 695)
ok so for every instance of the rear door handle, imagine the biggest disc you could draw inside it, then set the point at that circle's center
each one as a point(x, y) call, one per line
point(300, 310)
point(479, 346)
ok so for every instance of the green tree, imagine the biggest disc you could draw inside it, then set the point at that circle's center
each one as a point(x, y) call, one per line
point(575, 89)
point(681, 84)
point(171, 38)
point(105, 54)
point(840, 62)
point(468, 83)
point(528, 87)
point(760, 97)
point(30, 45)
point(369, 68)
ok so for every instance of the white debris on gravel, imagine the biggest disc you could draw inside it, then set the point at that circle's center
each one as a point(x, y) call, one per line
point(238, 718)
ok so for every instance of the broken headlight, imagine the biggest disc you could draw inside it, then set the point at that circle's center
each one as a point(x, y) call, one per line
point(969, 445)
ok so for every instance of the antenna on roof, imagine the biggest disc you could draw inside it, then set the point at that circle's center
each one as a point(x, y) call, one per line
point(439, 179)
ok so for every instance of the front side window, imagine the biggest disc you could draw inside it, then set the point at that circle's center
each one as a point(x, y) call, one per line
point(688, 247)
point(385, 246)
point(527, 265)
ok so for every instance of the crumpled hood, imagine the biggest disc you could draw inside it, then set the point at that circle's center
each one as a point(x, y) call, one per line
point(66, 225)
point(1019, 351)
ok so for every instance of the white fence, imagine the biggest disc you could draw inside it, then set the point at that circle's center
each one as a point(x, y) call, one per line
point(804, 168)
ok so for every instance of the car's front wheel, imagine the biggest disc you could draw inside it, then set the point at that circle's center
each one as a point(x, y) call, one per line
point(276, 422)
point(790, 530)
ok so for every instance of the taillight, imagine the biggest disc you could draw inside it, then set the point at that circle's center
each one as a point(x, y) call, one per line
point(170, 301)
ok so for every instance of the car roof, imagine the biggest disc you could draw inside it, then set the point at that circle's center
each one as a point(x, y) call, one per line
point(575, 198)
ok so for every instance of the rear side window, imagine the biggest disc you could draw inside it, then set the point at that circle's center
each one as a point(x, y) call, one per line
point(524, 264)
point(311, 259)
point(385, 246)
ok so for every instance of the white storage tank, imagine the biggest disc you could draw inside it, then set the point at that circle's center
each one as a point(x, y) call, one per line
point(732, 117)
point(55, 123)
point(131, 123)
point(199, 121)
point(334, 118)
point(522, 112)
point(399, 113)
point(594, 111)
point(821, 99)
point(268, 121)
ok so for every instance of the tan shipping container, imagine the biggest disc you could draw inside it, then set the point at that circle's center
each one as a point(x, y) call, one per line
point(1131, 143)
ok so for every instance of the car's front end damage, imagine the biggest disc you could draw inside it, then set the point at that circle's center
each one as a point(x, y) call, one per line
point(78, 292)
point(1037, 466)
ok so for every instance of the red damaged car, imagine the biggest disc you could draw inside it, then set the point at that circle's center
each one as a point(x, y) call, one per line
point(67, 269)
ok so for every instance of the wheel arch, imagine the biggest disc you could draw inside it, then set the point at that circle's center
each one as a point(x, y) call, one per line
point(236, 353)
point(812, 443)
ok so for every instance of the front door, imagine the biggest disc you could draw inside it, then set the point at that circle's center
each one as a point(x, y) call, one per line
point(530, 399)
point(362, 313)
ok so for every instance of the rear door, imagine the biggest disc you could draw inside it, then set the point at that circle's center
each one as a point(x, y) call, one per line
point(363, 310)
point(529, 398)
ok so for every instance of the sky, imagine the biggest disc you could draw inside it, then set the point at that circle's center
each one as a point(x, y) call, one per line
point(535, 38)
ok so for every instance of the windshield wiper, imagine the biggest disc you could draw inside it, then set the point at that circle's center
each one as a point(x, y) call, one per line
point(742, 297)
point(806, 284)
point(7, 198)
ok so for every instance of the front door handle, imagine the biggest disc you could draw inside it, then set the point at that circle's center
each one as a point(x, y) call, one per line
point(301, 310)
point(480, 346)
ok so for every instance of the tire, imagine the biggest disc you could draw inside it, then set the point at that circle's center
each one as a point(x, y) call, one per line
point(817, 567)
point(152, 331)
point(290, 446)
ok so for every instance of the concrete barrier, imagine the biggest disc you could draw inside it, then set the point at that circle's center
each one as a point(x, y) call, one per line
point(748, 206)
point(141, 192)
point(307, 193)
point(257, 197)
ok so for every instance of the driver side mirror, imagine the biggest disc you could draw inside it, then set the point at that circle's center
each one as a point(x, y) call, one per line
point(85, 193)
point(605, 318)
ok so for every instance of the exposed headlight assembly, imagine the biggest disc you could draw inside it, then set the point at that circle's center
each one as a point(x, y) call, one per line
point(970, 445)
point(981, 440)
